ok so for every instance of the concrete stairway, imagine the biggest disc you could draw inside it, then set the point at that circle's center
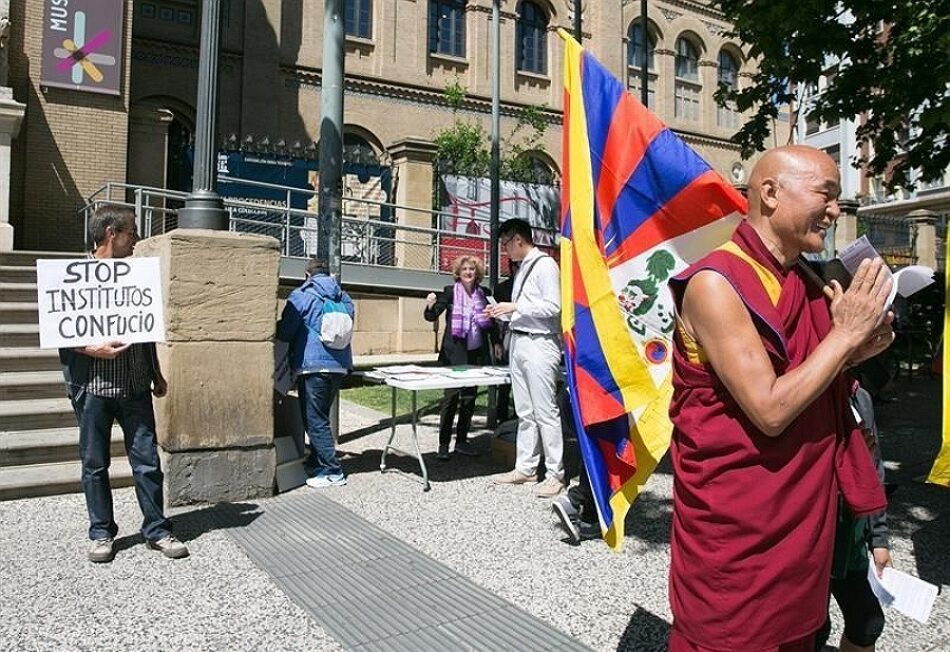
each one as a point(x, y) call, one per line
point(39, 439)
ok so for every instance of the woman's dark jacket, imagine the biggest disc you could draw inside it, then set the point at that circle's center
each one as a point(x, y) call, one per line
point(454, 350)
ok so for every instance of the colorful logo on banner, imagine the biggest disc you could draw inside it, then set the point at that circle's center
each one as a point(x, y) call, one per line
point(82, 45)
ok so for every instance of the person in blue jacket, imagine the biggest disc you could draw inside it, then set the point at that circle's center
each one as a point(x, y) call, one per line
point(318, 363)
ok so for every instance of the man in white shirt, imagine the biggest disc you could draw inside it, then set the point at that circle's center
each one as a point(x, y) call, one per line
point(535, 355)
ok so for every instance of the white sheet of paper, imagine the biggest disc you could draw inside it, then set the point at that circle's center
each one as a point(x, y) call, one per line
point(909, 595)
point(87, 301)
point(912, 279)
point(907, 281)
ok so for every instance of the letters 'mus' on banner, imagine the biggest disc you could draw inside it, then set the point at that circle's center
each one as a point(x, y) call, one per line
point(82, 45)
point(92, 301)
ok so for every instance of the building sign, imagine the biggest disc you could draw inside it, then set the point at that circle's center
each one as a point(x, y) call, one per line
point(82, 45)
point(293, 183)
point(466, 203)
point(94, 301)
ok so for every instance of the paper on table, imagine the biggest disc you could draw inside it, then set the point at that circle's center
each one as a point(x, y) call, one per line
point(403, 369)
point(909, 595)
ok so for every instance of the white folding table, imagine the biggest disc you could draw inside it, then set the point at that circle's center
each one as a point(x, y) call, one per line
point(499, 376)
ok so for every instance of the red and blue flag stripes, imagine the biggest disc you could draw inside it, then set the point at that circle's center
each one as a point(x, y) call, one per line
point(632, 194)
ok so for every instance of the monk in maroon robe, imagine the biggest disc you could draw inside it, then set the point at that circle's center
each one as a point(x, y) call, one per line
point(763, 437)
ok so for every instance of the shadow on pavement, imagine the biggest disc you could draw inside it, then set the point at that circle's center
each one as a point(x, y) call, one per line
point(910, 434)
point(645, 632)
point(191, 525)
point(650, 520)
point(458, 467)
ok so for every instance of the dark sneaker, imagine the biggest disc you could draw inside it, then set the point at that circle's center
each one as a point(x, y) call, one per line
point(102, 551)
point(443, 453)
point(569, 516)
point(589, 531)
point(170, 547)
point(464, 448)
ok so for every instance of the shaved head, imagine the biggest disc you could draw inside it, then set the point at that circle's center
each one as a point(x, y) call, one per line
point(786, 165)
point(793, 199)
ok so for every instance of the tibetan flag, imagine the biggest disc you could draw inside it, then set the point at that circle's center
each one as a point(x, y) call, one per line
point(638, 206)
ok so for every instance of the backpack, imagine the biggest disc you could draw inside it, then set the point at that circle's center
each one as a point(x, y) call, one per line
point(336, 325)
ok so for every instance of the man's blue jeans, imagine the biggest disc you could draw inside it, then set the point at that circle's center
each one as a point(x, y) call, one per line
point(137, 420)
point(316, 395)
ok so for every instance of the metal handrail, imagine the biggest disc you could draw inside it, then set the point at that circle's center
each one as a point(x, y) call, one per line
point(372, 240)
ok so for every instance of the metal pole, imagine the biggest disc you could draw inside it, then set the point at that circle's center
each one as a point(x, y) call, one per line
point(644, 75)
point(495, 254)
point(578, 30)
point(331, 137)
point(203, 208)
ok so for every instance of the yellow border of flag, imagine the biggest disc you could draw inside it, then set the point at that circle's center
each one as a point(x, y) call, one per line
point(940, 473)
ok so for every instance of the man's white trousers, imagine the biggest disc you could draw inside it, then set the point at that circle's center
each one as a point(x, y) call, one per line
point(534, 366)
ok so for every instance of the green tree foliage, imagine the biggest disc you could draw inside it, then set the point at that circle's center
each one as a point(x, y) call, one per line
point(895, 70)
point(464, 147)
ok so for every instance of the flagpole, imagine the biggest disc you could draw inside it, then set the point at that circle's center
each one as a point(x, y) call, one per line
point(578, 22)
point(494, 253)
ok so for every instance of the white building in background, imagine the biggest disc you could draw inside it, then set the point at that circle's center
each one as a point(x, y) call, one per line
point(891, 219)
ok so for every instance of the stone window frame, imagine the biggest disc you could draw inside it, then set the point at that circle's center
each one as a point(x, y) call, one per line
point(358, 19)
point(534, 16)
point(457, 18)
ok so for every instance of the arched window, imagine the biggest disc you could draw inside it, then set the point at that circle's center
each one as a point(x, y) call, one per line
point(532, 38)
point(687, 88)
point(687, 60)
point(727, 76)
point(358, 18)
point(358, 151)
point(636, 52)
point(447, 27)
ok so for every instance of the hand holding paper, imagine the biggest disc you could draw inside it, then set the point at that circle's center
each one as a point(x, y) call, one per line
point(907, 281)
point(907, 594)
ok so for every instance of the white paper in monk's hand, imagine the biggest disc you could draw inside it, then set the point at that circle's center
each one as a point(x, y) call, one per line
point(907, 594)
point(907, 281)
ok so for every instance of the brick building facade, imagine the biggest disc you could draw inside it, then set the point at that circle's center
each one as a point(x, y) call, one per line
point(400, 56)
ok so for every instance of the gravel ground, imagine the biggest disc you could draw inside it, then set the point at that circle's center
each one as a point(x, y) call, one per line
point(503, 538)
point(508, 541)
point(52, 598)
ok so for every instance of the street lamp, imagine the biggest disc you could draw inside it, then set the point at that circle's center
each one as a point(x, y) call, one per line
point(494, 253)
point(203, 208)
point(331, 136)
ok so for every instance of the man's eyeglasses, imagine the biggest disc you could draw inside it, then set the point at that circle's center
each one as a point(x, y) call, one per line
point(504, 242)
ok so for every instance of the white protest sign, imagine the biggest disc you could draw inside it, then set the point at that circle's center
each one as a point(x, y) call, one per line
point(93, 301)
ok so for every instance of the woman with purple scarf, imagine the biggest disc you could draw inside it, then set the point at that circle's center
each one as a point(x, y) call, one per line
point(466, 342)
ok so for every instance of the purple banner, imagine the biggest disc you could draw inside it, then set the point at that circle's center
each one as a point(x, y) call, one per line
point(82, 45)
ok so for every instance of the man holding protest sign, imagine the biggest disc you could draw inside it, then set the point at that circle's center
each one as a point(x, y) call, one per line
point(114, 381)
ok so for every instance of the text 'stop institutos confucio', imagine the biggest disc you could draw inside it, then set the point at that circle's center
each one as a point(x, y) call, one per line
point(126, 113)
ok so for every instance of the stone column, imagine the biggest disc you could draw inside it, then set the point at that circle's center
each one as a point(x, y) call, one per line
point(215, 427)
point(148, 144)
point(925, 222)
point(846, 227)
point(11, 115)
point(412, 163)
